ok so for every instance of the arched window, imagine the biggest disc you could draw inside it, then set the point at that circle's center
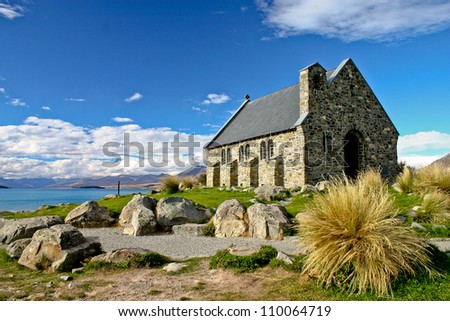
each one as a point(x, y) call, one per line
point(247, 152)
point(241, 153)
point(271, 149)
point(228, 155)
point(223, 156)
point(263, 150)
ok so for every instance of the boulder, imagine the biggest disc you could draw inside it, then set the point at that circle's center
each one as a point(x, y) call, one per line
point(176, 210)
point(89, 214)
point(59, 248)
point(16, 248)
point(269, 192)
point(25, 228)
point(231, 219)
point(174, 267)
point(138, 201)
point(2, 222)
point(308, 188)
point(190, 229)
point(284, 257)
point(109, 196)
point(267, 221)
point(418, 226)
point(118, 256)
point(322, 185)
point(143, 222)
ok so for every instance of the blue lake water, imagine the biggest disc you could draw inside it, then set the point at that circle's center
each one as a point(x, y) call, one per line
point(26, 199)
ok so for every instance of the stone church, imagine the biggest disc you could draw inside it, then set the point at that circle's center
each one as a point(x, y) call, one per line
point(328, 123)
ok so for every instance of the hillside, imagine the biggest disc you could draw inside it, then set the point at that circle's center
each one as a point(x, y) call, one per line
point(445, 161)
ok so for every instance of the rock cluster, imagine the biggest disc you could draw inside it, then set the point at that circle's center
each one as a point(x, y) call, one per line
point(25, 228)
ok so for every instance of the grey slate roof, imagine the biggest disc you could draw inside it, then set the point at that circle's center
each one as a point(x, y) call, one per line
point(274, 113)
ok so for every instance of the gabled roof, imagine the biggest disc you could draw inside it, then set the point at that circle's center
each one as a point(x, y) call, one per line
point(273, 113)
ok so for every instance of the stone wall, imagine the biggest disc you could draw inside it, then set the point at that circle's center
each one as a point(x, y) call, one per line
point(286, 165)
point(341, 114)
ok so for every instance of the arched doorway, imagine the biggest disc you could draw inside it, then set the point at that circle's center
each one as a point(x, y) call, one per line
point(352, 153)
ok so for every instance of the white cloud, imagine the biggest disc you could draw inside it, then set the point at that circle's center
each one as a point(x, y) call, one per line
point(11, 12)
point(351, 20)
point(46, 108)
point(423, 141)
point(422, 148)
point(199, 109)
point(122, 120)
point(2, 91)
point(17, 102)
point(2, 78)
point(419, 161)
point(216, 99)
point(210, 125)
point(54, 148)
point(78, 100)
point(135, 97)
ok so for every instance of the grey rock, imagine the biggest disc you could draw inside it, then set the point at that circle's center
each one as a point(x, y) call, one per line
point(138, 203)
point(89, 214)
point(267, 221)
point(49, 284)
point(174, 267)
point(25, 228)
point(109, 196)
point(231, 219)
point(401, 219)
point(118, 256)
point(284, 257)
point(178, 210)
point(308, 188)
point(269, 192)
point(73, 285)
point(190, 229)
point(66, 277)
point(244, 249)
point(322, 185)
point(143, 222)
point(2, 222)
point(78, 270)
point(60, 248)
point(416, 208)
point(411, 213)
point(16, 248)
point(418, 226)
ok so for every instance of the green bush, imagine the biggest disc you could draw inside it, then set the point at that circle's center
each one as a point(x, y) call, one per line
point(226, 260)
point(149, 259)
point(210, 230)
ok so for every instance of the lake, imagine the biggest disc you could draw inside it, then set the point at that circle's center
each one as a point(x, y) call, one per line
point(29, 199)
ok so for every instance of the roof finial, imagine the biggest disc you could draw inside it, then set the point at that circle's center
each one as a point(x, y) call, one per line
point(247, 97)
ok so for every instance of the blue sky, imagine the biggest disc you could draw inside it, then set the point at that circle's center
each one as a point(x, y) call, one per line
point(75, 74)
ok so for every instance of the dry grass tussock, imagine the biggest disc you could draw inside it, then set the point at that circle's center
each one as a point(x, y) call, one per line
point(356, 240)
point(404, 181)
point(435, 177)
point(170, 184)
point(189, 182)
point(435, 208)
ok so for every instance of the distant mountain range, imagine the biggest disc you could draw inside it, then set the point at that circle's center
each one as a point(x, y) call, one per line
point(445, 161)
point(129, 181)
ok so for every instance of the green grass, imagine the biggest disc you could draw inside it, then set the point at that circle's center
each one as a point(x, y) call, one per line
point(298, 204)
point(226, 260)
point(115, 205)
point(61, 210)
point(404, 202)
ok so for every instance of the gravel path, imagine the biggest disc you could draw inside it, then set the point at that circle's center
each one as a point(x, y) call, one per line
point(181, 247)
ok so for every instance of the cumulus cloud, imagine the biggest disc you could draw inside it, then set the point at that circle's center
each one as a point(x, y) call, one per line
point(422, 148)
point(78, 100)
point(216, 99)
point(54, 148)
point(2, 91)
point(135, 97)
point(351, 20)
point(46, 108)
point(17, 102)
point(11, 12)
point(122, 120)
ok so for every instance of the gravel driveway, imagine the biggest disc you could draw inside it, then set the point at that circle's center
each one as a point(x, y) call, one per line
point(181, 247)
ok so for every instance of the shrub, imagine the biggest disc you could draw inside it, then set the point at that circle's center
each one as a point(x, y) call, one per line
point(435, 209)
point(149, 259)
point(202, 179)
point(170, 184)
point(189, 182)
point(210, 230)
point(404, 182)
point(355, 237)
point(226, 260)
point(435, 177)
